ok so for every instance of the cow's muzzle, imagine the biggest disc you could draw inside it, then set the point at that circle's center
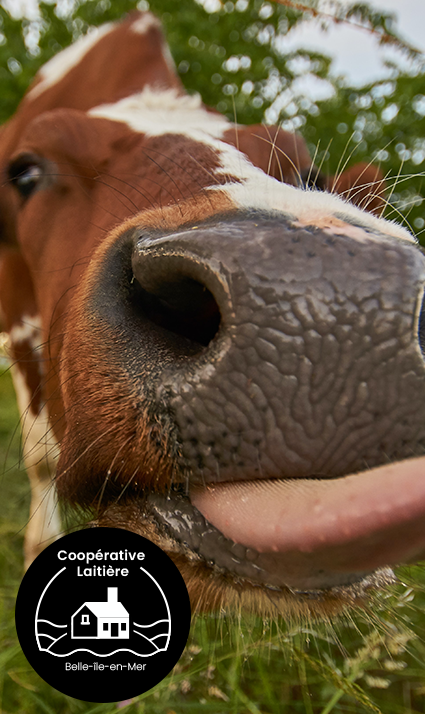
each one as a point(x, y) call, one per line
point(282, 366)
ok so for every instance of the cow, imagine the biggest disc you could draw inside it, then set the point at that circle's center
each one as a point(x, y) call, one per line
point(207, 350)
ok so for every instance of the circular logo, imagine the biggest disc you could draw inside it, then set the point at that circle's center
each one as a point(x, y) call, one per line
point(103, 614)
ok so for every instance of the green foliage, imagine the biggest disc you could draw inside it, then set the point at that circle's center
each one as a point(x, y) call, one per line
point(231, 57)
point(16, 67)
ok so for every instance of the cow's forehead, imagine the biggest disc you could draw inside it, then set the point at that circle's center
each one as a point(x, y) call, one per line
point(155, 112)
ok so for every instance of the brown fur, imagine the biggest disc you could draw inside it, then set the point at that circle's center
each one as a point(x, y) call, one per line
point(278, 153)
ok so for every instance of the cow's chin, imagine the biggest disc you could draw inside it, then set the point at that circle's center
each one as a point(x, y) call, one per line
point(299, 546)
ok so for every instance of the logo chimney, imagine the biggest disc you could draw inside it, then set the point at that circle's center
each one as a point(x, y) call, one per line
point(112, 594)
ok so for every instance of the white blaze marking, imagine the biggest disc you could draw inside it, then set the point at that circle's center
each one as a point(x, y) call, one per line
point(155, 112)
point(309, 207)
point(56, 68)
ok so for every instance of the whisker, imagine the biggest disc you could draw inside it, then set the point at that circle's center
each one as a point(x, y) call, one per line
point(182, 168)
point(339, 169)
point(312, 165)
point(109, 472)
point(274, 153)
point(281, 151)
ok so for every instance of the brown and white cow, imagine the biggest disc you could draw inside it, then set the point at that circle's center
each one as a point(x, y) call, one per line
point(228, 364)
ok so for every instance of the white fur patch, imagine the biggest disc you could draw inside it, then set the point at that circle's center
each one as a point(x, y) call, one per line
point(144, 23)
point(40, 449)
point(307, 207)
point(40, 453)
point(39, 445)
point(56, 68)
point(28, 329)
point(154, 113)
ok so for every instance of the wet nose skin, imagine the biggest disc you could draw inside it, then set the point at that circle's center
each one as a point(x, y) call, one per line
point(311, 364)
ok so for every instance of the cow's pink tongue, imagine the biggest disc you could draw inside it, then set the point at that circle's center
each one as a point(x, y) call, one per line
point(315, 527)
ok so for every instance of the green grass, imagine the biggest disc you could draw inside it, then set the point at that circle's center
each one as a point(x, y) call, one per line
point(369, 661)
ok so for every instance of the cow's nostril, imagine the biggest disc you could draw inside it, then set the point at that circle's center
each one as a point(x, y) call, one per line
point(178, 287)
point(183, 306)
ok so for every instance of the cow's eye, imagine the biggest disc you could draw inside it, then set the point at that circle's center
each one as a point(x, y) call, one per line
point(25, 176)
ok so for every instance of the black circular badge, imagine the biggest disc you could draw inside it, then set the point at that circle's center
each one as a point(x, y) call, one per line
point(103, 614)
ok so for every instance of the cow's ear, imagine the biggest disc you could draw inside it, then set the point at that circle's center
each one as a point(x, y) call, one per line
point(278, 153)
point(362, 184)
point(115, 61)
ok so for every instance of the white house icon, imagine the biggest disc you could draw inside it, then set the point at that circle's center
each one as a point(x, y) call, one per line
point(101, 620)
